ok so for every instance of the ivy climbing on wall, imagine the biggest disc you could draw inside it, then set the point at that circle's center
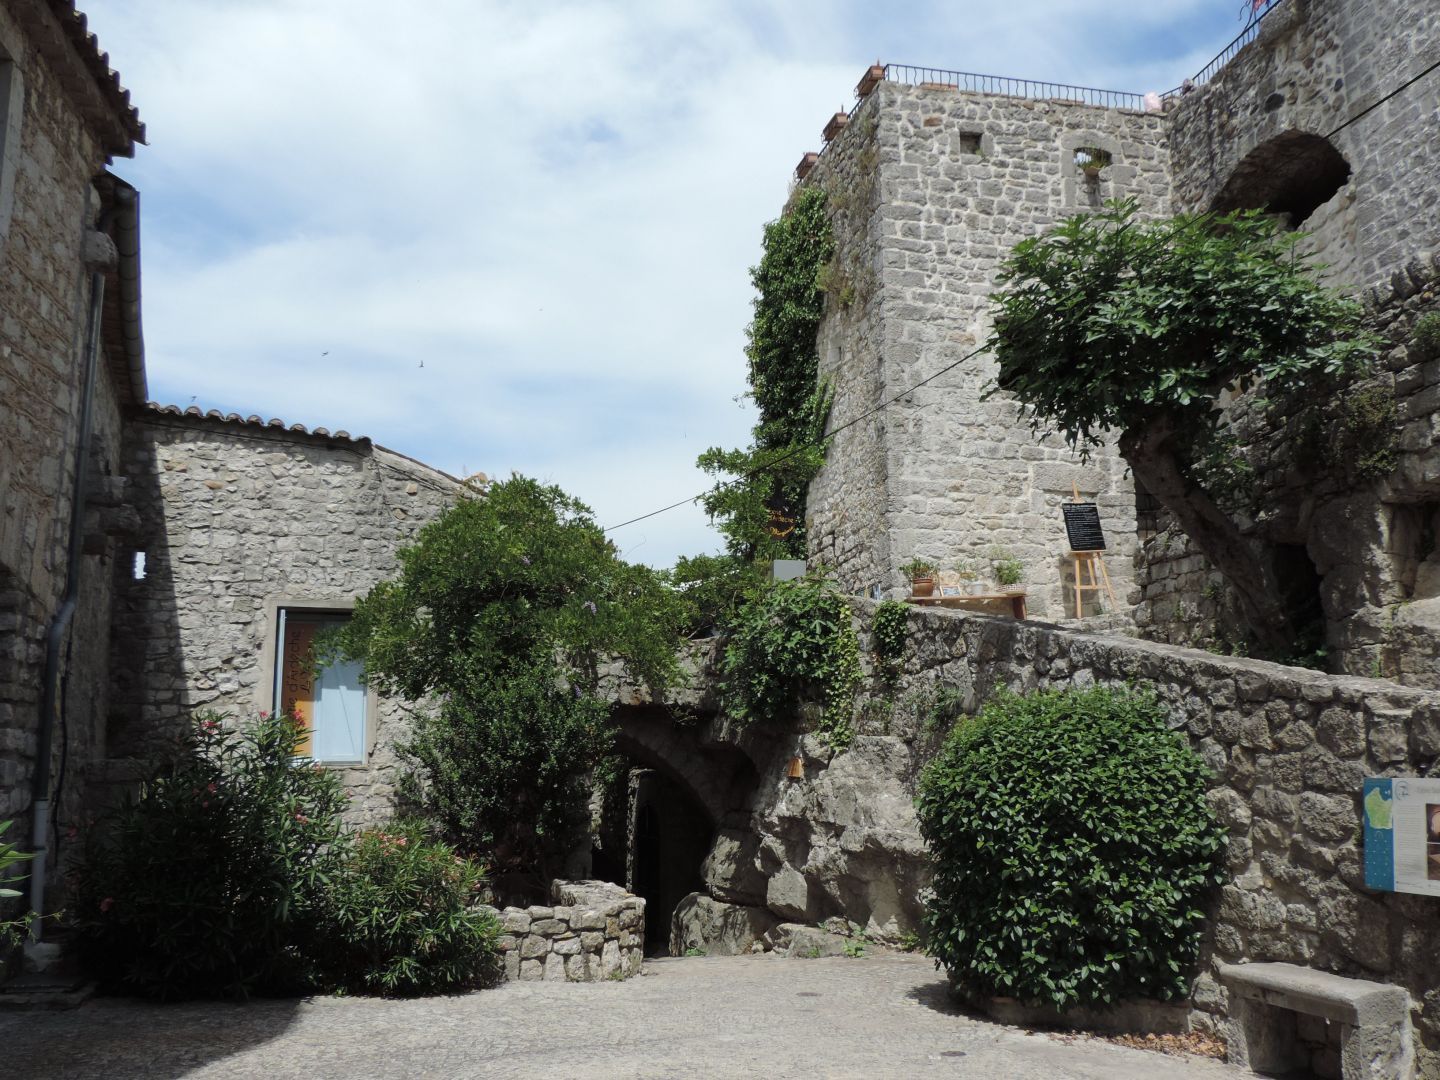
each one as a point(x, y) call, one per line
point(759, 502)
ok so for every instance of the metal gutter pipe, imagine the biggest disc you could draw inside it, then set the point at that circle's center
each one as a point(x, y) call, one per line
point(99, 253)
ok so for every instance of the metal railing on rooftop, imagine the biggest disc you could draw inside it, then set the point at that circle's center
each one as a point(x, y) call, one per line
point(911, 75)
point(1249, 34)
point(1001, 84)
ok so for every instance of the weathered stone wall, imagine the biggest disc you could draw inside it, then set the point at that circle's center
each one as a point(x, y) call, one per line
point(934, 186)
point(1289, 748)
point(594, 931)
point(1315, 65)
point(49, 203)
point(1238, 142)
point(237, 518)
point(1370, 540)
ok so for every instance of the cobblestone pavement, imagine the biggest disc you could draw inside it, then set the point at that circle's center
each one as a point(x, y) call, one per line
point(751, 1016)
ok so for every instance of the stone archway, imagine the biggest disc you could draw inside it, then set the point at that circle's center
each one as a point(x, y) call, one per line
point(1291, 175)
point(684, 792)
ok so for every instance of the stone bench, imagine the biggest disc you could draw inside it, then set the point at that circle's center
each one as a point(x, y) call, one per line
point(1283, 1017)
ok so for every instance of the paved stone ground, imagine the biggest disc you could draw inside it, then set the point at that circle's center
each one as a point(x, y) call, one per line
point(751, 1016)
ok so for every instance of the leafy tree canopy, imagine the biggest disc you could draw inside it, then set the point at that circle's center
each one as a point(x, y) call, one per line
point(1111, 325)
point(497, 581)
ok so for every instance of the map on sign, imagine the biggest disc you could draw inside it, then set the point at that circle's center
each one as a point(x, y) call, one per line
point(1402, 834)
point(1082, 526)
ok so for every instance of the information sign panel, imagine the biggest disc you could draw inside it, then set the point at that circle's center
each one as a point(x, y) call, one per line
point(1082, 526)
point(1402, 834)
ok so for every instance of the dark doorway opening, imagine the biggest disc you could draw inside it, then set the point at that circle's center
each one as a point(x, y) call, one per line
point(1292, 175)
point(670, 836)
point(1299, 584)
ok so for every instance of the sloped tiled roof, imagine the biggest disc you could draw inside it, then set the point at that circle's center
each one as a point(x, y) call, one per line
point(119, 115)
point(273, 424)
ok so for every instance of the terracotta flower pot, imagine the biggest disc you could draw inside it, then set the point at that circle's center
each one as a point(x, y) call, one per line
point(873, 77)
point(922, 586)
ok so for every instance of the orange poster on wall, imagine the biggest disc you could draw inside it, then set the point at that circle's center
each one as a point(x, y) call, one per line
point(297, 680)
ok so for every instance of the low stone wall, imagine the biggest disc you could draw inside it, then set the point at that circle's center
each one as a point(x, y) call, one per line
point(1289, 748)
point(594, 931)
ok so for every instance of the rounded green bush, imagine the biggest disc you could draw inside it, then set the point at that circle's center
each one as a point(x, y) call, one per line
point(401, 917)
point(1073, 848)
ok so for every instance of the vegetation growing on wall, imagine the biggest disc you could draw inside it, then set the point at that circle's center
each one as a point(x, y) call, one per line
point(760, 509)
point(888, 635)
point(794, 641)
point(1110, 324)
point(503, 612)
point(1073, 850)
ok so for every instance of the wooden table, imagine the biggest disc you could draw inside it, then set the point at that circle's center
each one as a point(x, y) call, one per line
point(1017, 601)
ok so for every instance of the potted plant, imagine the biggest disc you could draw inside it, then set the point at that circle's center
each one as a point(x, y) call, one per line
point(969, 577)
point(921, 575)
point(1009, 571)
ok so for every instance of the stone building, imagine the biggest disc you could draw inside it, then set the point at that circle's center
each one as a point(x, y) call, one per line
point(253, 536)
point(936, 175)
point(71, 362)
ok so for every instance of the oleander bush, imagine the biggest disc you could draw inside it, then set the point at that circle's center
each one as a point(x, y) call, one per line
point(1073, 850)
point(400, 917)
point(213, 880)
point(230, 875)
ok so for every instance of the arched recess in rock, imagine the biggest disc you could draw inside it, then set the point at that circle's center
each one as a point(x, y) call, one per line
point(683, 792)
point(1291, 175)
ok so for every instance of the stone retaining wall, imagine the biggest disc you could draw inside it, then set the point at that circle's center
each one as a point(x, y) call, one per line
point(1289, 748)
point(594, 931)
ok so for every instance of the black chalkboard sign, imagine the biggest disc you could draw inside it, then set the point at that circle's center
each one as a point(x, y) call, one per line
point(1082, 526)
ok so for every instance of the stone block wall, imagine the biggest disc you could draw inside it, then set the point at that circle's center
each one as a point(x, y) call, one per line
point(593, 931)
point(1316, 67)
point(48, 201)
point(238, 517)
point(1289, 748)
point(931, 188)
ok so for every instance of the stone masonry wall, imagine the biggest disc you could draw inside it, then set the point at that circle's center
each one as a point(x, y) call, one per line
point(1317, 66)
point(44, 294)
point(238, 517)
point(594, 931)
point(1289, 748)
point(954, 180)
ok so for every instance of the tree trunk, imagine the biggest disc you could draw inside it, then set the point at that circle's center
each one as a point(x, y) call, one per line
point(1150, 453)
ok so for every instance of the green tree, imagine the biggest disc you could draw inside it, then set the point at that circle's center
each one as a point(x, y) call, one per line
point(504, 612)
point(1111, 325)
point(761, 510)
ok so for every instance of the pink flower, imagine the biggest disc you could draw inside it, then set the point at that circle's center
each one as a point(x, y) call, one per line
point(107, 903)
point(211, 788)
point(302, 819)
point(264, 716)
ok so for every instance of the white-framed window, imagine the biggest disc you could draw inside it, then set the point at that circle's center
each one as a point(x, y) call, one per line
point(326, 697)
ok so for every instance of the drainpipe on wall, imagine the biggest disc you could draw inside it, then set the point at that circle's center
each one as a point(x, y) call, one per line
point(98, 253)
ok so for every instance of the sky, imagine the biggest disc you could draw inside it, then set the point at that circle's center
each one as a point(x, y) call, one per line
point(503, 236)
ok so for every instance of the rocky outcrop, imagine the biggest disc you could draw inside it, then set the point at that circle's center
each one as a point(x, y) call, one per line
point(708, 926)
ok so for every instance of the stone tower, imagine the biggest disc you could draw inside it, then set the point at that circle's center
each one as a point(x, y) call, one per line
point(930, 184)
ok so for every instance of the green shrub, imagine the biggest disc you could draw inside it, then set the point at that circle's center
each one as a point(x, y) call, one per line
point(1073, 849)
point(502, 767)
point(789, 640)
point(399, 918)
point(1426, 334)
point(212, 881)
point(11, 930)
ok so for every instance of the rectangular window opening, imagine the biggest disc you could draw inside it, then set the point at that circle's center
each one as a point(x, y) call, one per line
point(326, 697)
point(968, 142)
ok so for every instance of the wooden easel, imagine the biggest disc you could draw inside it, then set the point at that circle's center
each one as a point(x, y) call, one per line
point(1095, 577)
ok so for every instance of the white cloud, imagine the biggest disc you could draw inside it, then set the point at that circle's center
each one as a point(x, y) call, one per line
point(552, 206)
